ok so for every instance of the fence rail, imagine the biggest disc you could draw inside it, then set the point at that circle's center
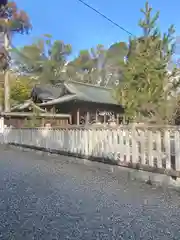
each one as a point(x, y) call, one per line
point(157, 148)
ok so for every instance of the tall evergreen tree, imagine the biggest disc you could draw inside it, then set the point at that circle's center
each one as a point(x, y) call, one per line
point(147, 89)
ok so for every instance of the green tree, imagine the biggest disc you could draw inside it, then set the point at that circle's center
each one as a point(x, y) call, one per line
point(44, 59)
point(12, 20)
point(114, 61)
point(98, 66)
point(147, 90)
point(21, 88)
point(81, 68)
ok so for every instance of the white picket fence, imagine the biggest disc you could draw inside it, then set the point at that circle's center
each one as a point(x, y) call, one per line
point(159, 148)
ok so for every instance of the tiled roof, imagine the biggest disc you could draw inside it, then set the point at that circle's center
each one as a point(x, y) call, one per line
point(48, 91)
point(74, 90)
point(91, 93)
point(26, 105)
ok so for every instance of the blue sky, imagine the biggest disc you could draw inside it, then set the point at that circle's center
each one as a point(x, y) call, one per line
point(77, 25)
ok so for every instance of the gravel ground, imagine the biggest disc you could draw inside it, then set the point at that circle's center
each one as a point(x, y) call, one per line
point(43, 197)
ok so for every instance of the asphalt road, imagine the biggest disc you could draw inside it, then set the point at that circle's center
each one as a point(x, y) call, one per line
point(43, 197)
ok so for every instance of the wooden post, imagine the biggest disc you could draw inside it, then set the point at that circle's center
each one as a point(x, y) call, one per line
point(87, 117)
point(78, 117)
point(42, 122)
point(117, 120)
point(6, 76)
point(105, 118)
point(96, 117)
point(6, 92)
point(70, 120)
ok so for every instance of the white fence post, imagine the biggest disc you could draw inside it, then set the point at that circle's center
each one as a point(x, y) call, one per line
point(150, 148)
point(159, 150)
point(177, 151)
point(167, 146)
point(135, 143)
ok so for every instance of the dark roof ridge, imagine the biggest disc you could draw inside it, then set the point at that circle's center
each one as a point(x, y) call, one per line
point(48, 84)
point(88, 84)
point(72, 81)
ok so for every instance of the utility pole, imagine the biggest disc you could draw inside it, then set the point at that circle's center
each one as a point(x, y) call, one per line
point(6, 75)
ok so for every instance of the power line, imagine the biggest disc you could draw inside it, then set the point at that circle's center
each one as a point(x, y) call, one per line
point(105, 17)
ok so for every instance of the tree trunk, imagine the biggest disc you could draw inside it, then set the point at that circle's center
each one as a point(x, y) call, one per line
point(6, 79)
point(6, 92)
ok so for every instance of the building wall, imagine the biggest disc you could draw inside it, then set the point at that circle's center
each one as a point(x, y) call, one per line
point(93, 109)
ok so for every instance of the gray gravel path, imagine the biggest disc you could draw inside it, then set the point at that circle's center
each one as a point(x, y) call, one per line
point(44, 198)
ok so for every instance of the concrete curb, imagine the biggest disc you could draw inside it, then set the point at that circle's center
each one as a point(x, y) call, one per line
point(150, 178)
